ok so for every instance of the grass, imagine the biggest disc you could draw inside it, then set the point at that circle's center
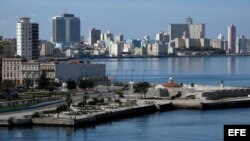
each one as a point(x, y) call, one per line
point(16, 106)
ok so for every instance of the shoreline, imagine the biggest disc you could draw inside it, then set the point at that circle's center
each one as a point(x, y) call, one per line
point(142, 57)
point(122, 113)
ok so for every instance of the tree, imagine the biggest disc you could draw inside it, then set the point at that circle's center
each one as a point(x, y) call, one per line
point(71, 84)
point(27, 83)
point(68, 100)
point(141, 87)
point(43, 80)
point(6, 87)
point(86, 84)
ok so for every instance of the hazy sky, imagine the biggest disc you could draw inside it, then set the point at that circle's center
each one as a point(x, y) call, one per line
point(133, 18)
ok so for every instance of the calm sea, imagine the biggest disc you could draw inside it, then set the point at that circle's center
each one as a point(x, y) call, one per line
point(182, 125)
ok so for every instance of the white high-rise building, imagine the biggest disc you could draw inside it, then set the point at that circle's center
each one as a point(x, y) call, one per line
point(27, 35)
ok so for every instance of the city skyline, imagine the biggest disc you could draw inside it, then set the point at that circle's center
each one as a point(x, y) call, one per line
point(133, 19)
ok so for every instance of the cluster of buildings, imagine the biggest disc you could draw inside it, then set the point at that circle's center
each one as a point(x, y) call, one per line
point(18, 69)
point(20, 56)
point(234, 44)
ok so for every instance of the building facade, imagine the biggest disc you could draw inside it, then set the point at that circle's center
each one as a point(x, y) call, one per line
point(11, 70)
point(27, 39)
point(46, 48)
point(241, 45)
point(66, 29)
point(231, 38)
point(115, 49)
point(157, 49)
point(49, 69)
point(31, 71)
point(76, 72)
point(195, 31)
point(94, 36)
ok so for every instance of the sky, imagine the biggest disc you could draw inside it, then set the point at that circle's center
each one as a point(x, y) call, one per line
point(132, 18)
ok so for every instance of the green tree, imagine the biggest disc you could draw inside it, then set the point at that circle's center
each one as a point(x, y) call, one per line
point(68, 100)
point(43, 81)
point(86, 84)
point(120, 93)
point(27, 83)
point(141, 87)
point(6, 87)
point(71, 84)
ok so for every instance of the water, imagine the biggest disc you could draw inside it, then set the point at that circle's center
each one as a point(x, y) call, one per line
point(234, 70)
point(182, 125)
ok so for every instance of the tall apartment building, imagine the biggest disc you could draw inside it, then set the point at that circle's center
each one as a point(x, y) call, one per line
point(27, 39)
point(195, 31)
point(231, 38)
point(241, 45)
point(66, 29)
point(94, 36)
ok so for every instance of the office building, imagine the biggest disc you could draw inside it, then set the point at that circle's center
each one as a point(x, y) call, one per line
point(66, 29)
point(231, 38)
point(94, 36)
point(195, 31)
point(27, 39)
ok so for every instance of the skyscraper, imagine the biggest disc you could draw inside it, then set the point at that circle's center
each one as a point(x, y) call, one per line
point(231, 38)
point(27, 39)
point(66, 29)
point(94, 36)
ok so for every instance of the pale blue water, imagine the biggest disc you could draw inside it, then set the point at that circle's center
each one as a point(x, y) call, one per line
point(234, 70)
point(182, 125)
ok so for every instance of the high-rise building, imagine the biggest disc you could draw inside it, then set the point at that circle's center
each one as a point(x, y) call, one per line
point(108, 35)
point(195, 31)
point(27, 39)
point(119, 38)
point(162, 37)
point(231, 38)
point(66, 29)
point(241, 45)
point(94, 36)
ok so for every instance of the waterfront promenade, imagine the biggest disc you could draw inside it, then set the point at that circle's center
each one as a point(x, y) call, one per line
point(140, 107)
